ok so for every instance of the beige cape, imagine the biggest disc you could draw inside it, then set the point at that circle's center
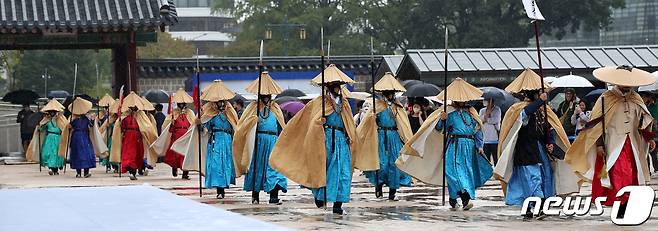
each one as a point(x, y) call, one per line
point(367, 131)
point(162, 142)
point(422, 156)
point(34, 150)
point(300, 152)
point(565, 180)
point(245, 135)
point(100, 148)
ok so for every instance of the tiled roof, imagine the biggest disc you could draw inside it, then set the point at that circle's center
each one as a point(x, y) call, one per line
point(34, 16)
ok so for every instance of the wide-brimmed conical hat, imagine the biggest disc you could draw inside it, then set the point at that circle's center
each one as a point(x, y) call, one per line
point(217, 91)
point(332, 75)
point(624, 76)
point(106, 101)
point(80, 106)
point(148, 106)
point(461, 91)
point(528, 80)
point(267, 85)
point(181, 96)
point(389, 83)
point(53, 105)
point(132, 100)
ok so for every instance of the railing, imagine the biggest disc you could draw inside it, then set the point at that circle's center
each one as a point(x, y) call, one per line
point(10, 138)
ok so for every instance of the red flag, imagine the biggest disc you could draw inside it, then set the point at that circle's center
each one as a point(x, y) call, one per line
point(169, 106)
point(195, 94)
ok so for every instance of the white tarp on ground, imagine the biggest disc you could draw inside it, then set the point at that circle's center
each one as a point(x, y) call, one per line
point(115, 208)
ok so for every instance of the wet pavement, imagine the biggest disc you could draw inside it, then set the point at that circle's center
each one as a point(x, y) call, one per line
point(418, 207)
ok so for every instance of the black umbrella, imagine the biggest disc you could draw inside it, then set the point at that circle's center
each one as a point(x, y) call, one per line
point(422, 90)
point(592, 96)
point(408, 83)
point(156, 96)
point(32, 120)
point(58, 94)
point(493, 93)
point(291, 92)
point(284, 99)
point(21, 97)
point(69, 99)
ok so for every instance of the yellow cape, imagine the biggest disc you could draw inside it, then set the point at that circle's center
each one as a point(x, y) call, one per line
point(161, 144)
point(367, 132)
point(565, 180)
point(245, 135)
point(422, 156)
point(300, 152)
point(583, 149)
point(34, 150)
point(188, 144)
point(97, 142)
point(148, 136)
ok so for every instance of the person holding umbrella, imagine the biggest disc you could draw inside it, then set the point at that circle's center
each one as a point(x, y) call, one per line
point(132, 134)
point(21, 118)
point(566, 109)
point(384, 131)
point(49, 131)
point(261, 130)
point(85, 141)
point(219, 121)
point(532, 138)
point(175, 126)
point(299, 152)
point(612, 151)
point(465, 166)
point(490, 116)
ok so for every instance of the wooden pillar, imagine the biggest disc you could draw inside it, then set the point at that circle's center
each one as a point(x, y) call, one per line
point(124, 67)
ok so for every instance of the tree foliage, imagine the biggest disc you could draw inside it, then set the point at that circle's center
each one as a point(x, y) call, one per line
point(166, 47)
point(406, 24)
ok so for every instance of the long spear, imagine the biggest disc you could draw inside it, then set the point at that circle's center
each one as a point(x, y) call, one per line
point(374, 108)
point(198, 116)
point(75, 81)
point(258, 100)
point(323, 96)
point(445, 110)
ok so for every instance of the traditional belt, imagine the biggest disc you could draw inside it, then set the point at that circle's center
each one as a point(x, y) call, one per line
point(462, 137)
point(334, 128)
point(56, 133)
point(267, 132)
point(180, 128)
point(130, 129)
point(222, 130)
point(389, 128)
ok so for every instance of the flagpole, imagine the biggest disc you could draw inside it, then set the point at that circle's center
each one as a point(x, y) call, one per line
point(541, 76)
point(198, 116)
point(445, 110)
point(323, 97)
point(374, 108)
point(75, 81)
point(258, 100)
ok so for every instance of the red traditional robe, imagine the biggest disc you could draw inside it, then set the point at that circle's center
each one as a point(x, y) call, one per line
point(177, 128)
point(623, 173)
point(132, 147)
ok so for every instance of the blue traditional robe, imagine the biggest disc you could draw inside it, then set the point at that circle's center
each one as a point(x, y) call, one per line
point(81, 149)
point(389, 145)
point(219, 158)
point(465, 169)
point(261, 176)
point(339, 162)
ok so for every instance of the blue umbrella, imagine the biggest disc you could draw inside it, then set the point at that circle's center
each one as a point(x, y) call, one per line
point(592, 96)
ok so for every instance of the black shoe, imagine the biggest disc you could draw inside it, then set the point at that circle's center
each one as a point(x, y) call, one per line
point(186, 175)
point(378, 191)
point(274, 196)
point(453, 204)
point(466, 201)
point(338, 208)
point(56, 173)
point(78, 176)
point(528, 216)
point(254, 198)
point(391, 194)
point(133, 177)
point(220, 193)
point(140, 172)
point(50, 172)
point(87, 175)
point(174, 172)
point(319, 203)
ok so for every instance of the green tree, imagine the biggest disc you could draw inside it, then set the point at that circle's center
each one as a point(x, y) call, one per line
point(166, 47)
point(405, 24)
point(61, 66)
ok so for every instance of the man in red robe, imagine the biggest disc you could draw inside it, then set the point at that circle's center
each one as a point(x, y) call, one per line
point(175, 125)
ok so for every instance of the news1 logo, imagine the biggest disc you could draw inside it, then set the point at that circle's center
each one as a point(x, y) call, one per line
point(638, 208)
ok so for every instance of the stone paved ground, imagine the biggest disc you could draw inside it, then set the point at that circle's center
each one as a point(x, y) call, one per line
point(419, 206)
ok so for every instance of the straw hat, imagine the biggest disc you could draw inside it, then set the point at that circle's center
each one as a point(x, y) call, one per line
point(461, 91)
point(332, 74)
point(148, 106)
point(53, 105)
point(217, 91)
point(389, 83)
point(132, 100)
point(106, 101)
point(114, 107)
point(181, 96)
point(267, 85)
point(624, 76)
point(80, 106)
point(528, 80)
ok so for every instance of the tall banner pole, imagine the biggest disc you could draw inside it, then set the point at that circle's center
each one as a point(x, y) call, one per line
point(323, 96)
point(445, 110)
point(258, 101)
point(198, 116)
point(374, 107)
